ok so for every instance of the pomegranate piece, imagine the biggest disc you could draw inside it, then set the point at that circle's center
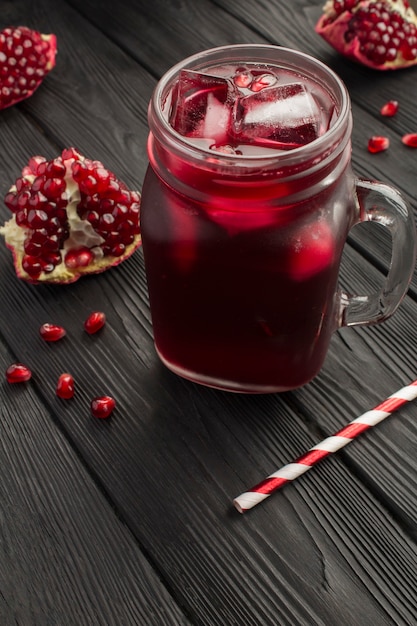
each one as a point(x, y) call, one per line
point(390, 108)
point(52, 332)
point(94, 322)
point(381, 34)
point(26, 57)
point(263, 81)
point(65, 386)
point(410, 140)
point(18, 373)
point(71, 216)
point(378, 144)
point(102, 407)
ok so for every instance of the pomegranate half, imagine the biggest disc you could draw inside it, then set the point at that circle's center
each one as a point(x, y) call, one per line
point(26, 57)
point(381, 34)
point(71, 216)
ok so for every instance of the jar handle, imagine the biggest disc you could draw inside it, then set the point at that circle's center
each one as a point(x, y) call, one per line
point(384, 205)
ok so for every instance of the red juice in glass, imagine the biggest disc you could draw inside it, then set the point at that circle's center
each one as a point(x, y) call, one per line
point(246, 206)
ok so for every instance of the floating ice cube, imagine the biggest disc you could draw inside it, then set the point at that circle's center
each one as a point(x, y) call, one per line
point(225, 149)
point(202, 106)
point(283, 116)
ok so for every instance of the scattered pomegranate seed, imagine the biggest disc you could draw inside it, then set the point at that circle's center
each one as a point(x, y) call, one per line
point(94, 322)
point(390, 108)
point(378, 144)
point(52, 332)
point(18, 373)
point(65, 386)
point(102, 407)
point(410, 140)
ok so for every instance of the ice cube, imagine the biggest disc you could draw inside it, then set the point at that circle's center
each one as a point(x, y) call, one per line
point(202, 106)
point(225, 148)
point(284, 116)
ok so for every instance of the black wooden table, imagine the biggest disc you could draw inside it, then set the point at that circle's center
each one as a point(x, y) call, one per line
point(130, 520)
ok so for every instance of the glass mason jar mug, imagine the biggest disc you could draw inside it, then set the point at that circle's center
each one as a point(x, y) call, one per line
point(246, 207)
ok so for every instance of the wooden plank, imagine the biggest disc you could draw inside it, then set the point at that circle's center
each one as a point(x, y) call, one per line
point(66, 557)
point(160, 34)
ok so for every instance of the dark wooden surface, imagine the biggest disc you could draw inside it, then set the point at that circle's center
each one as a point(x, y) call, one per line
point(130, 521)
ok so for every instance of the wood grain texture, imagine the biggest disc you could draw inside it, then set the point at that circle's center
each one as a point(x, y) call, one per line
point(146, 496)
point(161, 34)
point(66, 558)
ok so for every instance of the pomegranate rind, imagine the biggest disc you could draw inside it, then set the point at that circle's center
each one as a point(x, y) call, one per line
point(50, 55)
point(333, 27)
point(63, 275)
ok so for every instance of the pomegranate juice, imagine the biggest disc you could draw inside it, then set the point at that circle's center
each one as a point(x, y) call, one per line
point(242, 262)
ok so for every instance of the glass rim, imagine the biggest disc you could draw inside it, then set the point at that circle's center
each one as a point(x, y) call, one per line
point(267, 54)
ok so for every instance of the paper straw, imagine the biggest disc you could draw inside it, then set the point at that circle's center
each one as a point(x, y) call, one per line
point(291, 471)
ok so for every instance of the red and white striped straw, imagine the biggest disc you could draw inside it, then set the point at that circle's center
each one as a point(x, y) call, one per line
point(328, 446)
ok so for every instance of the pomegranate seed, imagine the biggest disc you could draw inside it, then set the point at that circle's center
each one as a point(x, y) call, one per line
point(390, 108)
point(410, 140)
point(81, 257)
point(52, 332)
point(10, 201)
point(94, 322)
point(266, 80)
point(32, 248)
point(37, 218)
point(70, 153)
point(378, 144)
point(243, 79)
point(54, 168)
point(34, 163)
point(18, 373)
point(32, 266)
point(54, 188)
point(65, 386)
point(102, 406)
point(79, 171)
